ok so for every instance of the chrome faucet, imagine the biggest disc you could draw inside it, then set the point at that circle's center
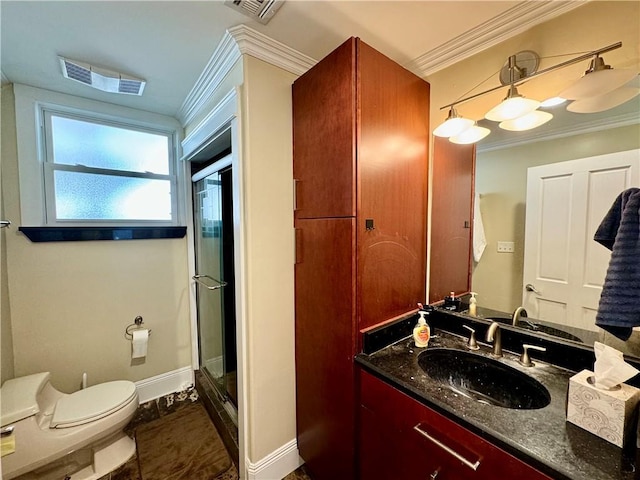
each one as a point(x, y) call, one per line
point(494, 335)
point(519, 313)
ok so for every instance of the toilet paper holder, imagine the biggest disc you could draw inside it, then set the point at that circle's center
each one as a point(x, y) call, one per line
point(128, 332)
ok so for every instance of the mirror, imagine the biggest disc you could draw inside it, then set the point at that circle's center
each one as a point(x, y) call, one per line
point(503, 157)
point(501, 182)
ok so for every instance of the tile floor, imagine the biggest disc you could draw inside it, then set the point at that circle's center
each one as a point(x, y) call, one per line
point(171, 405)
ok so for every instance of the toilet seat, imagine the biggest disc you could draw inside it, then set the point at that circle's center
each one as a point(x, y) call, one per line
point(92, 403)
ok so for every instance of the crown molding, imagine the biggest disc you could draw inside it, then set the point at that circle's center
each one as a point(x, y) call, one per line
point(238, 41)
point(501, 27)
point(607, 123)
point(221, 62)
point(256, 44)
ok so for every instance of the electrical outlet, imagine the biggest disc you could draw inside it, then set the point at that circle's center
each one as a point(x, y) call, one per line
point(506, 247)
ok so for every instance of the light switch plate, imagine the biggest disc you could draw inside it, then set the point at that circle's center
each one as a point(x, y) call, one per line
point(506, 247)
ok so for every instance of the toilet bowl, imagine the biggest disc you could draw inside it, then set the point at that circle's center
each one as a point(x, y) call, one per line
point(77, 436)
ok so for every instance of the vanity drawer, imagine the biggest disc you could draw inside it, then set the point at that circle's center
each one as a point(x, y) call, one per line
point(402, 438)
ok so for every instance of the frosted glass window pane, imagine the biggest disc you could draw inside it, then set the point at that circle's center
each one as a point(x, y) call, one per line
point(76, 142)
point(87, 196)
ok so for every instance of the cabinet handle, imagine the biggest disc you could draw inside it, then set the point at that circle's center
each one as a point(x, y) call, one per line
point(295, 194)
point(472, 466)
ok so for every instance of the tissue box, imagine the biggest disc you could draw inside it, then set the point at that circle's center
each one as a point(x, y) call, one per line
point(605, 413)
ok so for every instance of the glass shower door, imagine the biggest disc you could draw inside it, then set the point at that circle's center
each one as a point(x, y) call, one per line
point(212, 257)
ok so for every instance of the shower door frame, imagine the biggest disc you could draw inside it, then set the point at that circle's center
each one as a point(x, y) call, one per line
point(225, 117)
point(217, 167)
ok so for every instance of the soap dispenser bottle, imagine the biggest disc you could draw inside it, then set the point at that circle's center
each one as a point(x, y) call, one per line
point(472, 304)
point(421, 332)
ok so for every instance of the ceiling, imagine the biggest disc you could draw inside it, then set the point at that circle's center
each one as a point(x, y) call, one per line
point(168, 43)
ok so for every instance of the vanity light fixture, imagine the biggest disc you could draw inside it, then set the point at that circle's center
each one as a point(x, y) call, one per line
point(552, 102)
point(453, 125)
point(603, 102)
point(472, 134)
point(513, 106)
point(526, 122)
point(599, 79)
point(518, 113)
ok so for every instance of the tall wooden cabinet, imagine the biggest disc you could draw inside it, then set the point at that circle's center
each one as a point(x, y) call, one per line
point(453, 180)
point(360, 132)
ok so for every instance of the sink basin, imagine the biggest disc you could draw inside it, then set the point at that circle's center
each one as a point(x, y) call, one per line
point(483, 379)
point(536, 327)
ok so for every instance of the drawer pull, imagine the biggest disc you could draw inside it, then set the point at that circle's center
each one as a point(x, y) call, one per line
point(472, 466)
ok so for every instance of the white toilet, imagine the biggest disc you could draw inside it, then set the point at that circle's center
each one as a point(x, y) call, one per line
point(77, 436)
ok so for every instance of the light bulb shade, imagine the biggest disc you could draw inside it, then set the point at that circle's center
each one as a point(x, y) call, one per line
point(603, 102)
point(470, 135)
point(453, 125)
point(598, 83)
point(526, 122)
point(510, 108)
point(552, 102)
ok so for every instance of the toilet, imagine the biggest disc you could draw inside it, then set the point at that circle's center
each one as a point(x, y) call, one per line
point(76, 436)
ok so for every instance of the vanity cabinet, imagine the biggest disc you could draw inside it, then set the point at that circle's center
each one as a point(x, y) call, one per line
point(400, 437)
point(360, 146)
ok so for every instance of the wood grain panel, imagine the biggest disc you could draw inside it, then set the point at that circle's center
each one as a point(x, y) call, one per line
point(325, 345)
point(414, 457)
point(451, 218)
point(392, 193)
point(324, 136)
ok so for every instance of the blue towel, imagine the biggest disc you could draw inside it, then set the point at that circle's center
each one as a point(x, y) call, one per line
point(619, 231)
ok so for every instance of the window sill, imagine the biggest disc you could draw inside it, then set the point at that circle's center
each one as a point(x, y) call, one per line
point(77, 234)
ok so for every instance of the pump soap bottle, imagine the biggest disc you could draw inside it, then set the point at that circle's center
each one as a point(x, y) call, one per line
point(421, 332)
point(472, 304)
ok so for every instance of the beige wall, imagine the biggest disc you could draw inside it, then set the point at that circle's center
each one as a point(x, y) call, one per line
point(8, 143)
point(71, 301)
point(501, 178)
point(269, 253)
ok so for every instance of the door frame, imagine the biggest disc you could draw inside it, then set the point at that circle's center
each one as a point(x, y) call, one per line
point(224, 118)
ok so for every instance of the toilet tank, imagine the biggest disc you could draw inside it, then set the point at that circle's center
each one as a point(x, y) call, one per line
point(19, 397)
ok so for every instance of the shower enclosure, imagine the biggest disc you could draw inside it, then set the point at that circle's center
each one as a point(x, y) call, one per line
point(215, 280)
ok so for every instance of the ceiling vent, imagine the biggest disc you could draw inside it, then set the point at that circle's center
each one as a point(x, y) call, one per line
point(105, 80)
point(260, 10)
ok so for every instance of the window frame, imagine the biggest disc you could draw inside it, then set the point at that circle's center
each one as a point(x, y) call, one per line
point(49, 167)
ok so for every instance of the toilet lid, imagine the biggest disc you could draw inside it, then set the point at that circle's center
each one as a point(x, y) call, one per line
point(92, 403)
point(20, 397)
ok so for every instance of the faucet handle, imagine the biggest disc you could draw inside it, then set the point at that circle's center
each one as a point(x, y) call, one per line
point(472, 344)
point(524, 358)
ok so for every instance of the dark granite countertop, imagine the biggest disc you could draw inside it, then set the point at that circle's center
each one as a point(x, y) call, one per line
point(540, 437)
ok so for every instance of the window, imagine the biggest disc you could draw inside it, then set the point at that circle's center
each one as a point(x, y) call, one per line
point(101, 172)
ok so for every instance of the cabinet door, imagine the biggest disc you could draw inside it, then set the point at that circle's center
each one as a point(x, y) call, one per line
point(423, 443)
point(325, 345)
point(324, 136)
point(392, 172)
point(451, 218)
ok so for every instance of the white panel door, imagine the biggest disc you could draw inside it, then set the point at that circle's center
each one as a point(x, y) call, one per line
point(565, 204)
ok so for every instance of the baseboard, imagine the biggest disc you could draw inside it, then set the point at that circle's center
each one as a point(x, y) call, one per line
point(164, 384)
point(278, 464)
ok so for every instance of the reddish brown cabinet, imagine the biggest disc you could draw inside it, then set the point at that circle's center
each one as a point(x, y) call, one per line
point(451, 219)
point(400, 437)
point(360, 132)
